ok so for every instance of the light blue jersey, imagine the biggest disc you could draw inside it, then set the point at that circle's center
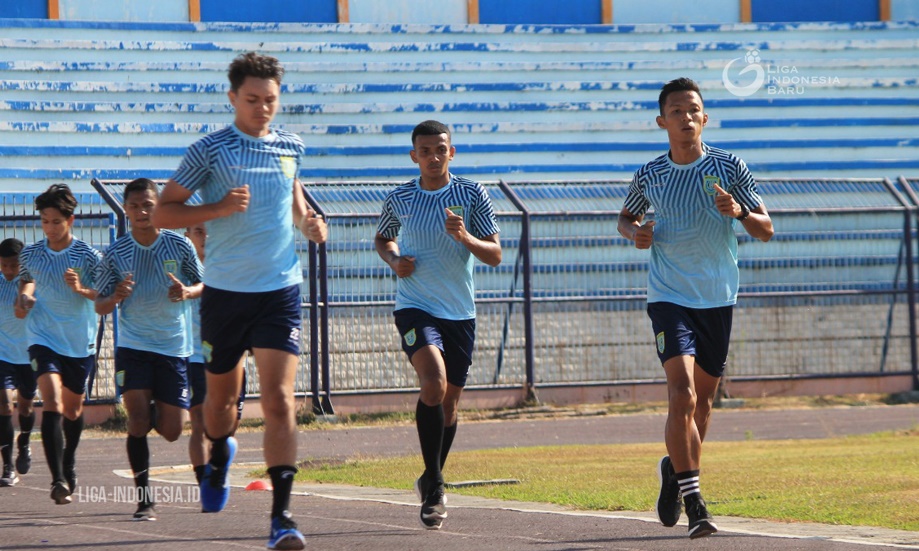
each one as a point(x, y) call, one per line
point(61, 320)
point(148, 320)
point(442, 283)
point(694, 251)
point(252, 251)
point(13, 346)
point(197, 356)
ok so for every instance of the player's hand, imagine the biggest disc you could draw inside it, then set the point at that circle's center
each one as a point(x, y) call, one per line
point(72, 279)
point(456, 226)
point(644, 235)
point(725, 203)
point(177, 291)
point(404, 266)
point(125, 288)
point(313, 227)
point(236, 200)
point(23, 304)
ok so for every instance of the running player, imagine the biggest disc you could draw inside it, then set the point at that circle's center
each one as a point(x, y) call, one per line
point(150, 275)
point(443, 223)
point(246, 175)
point(699, 194)
point(16, 374)
point(56, 293)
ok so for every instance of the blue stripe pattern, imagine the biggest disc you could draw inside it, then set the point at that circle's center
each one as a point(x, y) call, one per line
point(61, 320)
point(148, 320)
point(13, 345)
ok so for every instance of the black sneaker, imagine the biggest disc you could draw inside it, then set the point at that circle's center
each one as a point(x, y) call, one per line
point(669, 504)
point(145, 511)
point(700, 520)
point(60, 494)
point(434, 508)
point(24, 459)
point(9, 477)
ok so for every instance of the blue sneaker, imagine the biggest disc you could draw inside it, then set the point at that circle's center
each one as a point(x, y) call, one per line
point(284, 533)
point(215, 490)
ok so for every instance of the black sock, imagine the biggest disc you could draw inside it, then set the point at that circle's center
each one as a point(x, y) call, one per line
point(689, 484)
point(430, 423)
point(220, 450)
point(52, 439)
point(6, 439)
point(73, 429)
point(139, 458)
point(449, 435)
point(283, 483)
point(199, 473)
point(26, 423)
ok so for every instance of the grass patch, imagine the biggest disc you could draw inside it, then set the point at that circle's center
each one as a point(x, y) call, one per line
point(861, 480)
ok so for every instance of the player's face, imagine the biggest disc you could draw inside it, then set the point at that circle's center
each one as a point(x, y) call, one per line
point(197, 234)
point(10, 267)
point(139, 207)
point(433, 154)
point(56, 227)
point(256, 103)
point(683, 117)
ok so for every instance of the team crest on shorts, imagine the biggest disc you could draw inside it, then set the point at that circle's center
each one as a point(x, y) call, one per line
point(709, 183)
point(34, 365)
point(207, 351)
point(410, 338)
point(288, 166)
point(660, 342)
point(171, 267)
point(119, 378)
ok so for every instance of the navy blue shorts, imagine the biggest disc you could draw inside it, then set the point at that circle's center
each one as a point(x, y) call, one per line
point(232, 323)
point(701, 332)
point(197, 387)
point(166, 376)
point(73, 371)
point(19, 377)
point(454, 338)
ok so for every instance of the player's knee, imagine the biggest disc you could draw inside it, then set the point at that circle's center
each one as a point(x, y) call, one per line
point(280, 408)
point(682, 401)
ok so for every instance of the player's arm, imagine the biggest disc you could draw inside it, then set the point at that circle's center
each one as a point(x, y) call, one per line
point(486, 249)
point(388, 250)
point(756, 222)
point(630, 226)
point(310, 224)
point(173, 213)
point(105, 304)
point(178, 291)
point(25, 300)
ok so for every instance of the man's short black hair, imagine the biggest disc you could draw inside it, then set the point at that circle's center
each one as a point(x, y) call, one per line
point(430, 128)
point(681, 84)
point(57, 196)
point(10, 247)
point(140, 184)
point(255, 65)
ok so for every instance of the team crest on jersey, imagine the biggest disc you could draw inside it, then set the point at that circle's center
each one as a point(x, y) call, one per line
point(410, 338)
point(207, 351)
point(660, 342)
point(171, 267)
point(457, 210)
point(289, 166)
point(709, 183)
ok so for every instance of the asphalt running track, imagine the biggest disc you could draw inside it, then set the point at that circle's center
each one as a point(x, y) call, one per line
point(338, 518)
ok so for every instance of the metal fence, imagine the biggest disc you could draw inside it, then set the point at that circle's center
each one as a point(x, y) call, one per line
point(831, 295)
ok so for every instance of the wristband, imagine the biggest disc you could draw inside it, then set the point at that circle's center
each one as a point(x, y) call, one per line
point(744, 212)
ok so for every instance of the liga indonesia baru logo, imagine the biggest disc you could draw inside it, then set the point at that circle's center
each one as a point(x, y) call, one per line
point(777, 80)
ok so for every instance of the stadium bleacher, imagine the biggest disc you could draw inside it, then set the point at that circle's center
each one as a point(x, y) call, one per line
point(121, 100)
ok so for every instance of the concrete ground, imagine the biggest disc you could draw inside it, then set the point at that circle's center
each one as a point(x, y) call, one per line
point(336, 517)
